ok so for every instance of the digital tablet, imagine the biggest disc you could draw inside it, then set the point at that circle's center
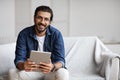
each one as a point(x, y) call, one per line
point(37, 56)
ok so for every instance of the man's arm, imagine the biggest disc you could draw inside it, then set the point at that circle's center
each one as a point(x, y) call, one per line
point(59, 51)
point(20, 52)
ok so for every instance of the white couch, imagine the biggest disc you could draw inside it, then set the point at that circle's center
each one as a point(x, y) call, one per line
point(86, 59)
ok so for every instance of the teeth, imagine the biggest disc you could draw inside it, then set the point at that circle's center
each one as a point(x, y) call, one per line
point(39, 25)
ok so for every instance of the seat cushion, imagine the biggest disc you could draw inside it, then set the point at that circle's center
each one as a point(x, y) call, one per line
point(7, 55)
point(86, 77)
point(80, 55)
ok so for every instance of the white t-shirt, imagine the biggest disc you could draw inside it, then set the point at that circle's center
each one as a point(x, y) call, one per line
point(40, 42)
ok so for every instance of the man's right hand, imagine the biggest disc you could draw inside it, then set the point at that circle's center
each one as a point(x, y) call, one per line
point(27, 65)
point(30, 66)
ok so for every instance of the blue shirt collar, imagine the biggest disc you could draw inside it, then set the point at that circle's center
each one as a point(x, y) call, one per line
point(33, 33)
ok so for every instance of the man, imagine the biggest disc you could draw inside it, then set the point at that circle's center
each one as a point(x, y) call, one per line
point(42, 37)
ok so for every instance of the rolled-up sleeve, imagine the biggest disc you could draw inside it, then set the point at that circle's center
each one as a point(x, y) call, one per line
point(58, 48)
point(20, 52)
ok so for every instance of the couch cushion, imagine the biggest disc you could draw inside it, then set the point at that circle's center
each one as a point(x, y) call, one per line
point(87, 77)
point(7, 55)
point(79, 55)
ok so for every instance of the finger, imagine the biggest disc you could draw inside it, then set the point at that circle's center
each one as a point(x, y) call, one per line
point(31, 63)
point(35, 66)
point(28, 59)
point(43, 63)
point(31, 67)
point(44, 67)
point(50, 61)
point(45, 70)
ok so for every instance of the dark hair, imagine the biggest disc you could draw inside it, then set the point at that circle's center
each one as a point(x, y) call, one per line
point(45, 9)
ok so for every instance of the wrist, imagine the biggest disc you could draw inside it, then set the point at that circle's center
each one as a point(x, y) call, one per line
point(20, 66)
point(54, 68)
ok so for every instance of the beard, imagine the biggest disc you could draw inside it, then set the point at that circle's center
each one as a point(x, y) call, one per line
point(40, 30)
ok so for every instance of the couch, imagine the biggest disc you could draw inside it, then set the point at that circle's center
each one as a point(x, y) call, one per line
point(87, 58)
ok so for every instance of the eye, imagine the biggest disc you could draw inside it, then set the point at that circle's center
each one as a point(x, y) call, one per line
point(38, 17)
point(46, 19)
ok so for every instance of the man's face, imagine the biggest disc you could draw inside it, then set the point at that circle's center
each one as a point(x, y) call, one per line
point(42, 21)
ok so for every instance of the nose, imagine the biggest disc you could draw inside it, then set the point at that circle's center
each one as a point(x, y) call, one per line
point(42, 21)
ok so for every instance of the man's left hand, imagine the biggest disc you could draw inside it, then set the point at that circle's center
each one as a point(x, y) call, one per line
point(46, 67)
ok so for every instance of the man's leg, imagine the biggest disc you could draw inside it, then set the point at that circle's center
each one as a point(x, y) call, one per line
point(61, 74)
point(15, 74)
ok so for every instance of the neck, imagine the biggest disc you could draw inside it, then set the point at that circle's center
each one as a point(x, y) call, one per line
point(40, 34)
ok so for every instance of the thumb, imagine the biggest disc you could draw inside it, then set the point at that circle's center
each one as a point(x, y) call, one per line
point(28, 59)
point(50, 61)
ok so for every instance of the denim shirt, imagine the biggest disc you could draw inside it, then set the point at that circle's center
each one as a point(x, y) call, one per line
point(27, 41)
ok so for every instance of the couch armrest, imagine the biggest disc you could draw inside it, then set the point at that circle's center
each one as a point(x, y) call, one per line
point(114, 72)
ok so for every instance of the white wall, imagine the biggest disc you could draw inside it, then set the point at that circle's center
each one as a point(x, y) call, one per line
point(72, 17)
point(22, 15)
point(7, 18)
point(95, 18)
point(86, 17)
point(61, 15)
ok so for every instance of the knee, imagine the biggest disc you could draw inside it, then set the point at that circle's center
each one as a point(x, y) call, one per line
point(62, 74)
point(12, 74)
point(62, 71)
point(11, 71)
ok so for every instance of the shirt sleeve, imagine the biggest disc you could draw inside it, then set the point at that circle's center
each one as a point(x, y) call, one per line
point(20, 52)
point(58, 49)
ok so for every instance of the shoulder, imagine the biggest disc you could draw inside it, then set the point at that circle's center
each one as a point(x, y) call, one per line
point(27, 30)
point(54, 33)
point(52, 30)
